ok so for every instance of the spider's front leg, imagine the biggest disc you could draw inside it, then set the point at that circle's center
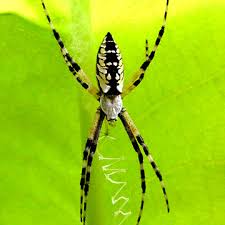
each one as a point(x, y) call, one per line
point(127, 121)
point(88, 154)
point(74, 68)
point(139, 75)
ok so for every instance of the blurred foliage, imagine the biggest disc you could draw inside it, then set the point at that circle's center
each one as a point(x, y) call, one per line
point(45, 115)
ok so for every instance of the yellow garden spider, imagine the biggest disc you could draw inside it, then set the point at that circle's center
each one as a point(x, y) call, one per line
point(110, 92)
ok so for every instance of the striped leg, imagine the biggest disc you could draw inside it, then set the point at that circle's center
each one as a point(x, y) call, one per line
point(88, 148)
point(146, 49)
point(74, 68)
point(139, 75)
point(97, 129)
point(83, 173)
point(146, 151)
point(140, 158)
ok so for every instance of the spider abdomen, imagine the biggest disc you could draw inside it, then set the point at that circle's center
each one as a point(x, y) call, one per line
point(109, 67)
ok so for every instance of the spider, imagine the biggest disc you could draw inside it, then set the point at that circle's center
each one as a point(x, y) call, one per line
point(110, 92)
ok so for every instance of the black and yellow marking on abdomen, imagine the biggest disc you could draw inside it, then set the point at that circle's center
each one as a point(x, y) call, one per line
point(109, 68)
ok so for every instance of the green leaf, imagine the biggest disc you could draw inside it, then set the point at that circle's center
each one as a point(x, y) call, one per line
point(179, 109)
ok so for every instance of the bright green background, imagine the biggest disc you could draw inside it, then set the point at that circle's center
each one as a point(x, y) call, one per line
point(45, 115)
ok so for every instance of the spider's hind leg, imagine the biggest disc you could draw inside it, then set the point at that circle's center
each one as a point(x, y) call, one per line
point(86, 169)
point(140, 159)
point(126, 117)
point(88, 153)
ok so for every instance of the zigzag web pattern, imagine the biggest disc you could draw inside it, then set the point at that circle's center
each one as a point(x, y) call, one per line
point(109, 171)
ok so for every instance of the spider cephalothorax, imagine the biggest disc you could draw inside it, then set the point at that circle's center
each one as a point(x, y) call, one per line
point(110, 77)
point(111, 105)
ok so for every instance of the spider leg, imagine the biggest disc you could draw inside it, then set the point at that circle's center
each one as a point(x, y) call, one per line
point(146, 49)
point(89, 147)
point(125, 116)
point(86, 170)
point(74, 68)
point(140, 158)
point(83, 173)
point(139, 75)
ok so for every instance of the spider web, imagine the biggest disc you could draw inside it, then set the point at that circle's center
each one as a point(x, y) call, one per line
point(110, 169)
